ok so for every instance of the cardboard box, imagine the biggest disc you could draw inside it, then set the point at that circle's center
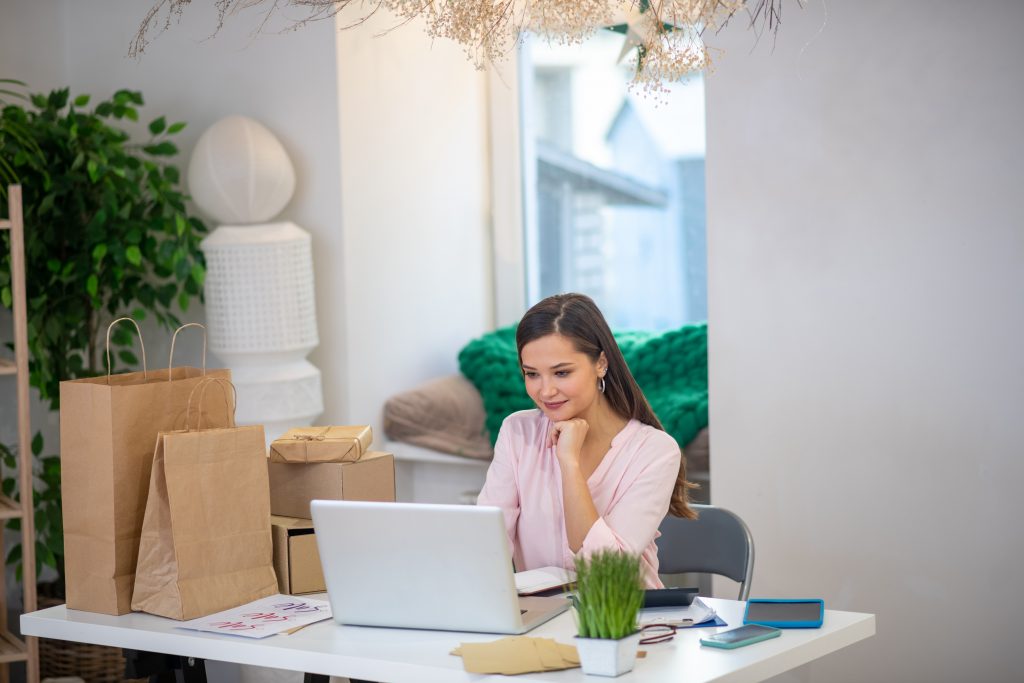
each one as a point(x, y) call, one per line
point(322, 444)
point(294, 485)
point(296, 558)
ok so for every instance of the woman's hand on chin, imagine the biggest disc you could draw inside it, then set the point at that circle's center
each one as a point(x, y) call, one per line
point(567, 437)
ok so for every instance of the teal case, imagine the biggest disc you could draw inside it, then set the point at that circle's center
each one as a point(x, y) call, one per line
point(710, 642)
point(784, 623)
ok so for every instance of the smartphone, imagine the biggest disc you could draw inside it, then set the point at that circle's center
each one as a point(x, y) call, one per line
point(738, 637)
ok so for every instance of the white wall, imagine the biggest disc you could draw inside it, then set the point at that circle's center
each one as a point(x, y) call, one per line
point(23, 25)
point(388, 136)
point(186, 76)
point(288, 81)
point(414, 195)
point(866, 263)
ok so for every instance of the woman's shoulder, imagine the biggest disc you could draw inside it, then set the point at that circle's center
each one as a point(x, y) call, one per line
point(648, 438)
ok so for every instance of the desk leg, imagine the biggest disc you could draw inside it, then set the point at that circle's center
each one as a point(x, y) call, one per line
point(161, 668)
point(192, 671)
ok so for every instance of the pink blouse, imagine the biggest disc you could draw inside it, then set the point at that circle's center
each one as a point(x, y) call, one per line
point(631, 489)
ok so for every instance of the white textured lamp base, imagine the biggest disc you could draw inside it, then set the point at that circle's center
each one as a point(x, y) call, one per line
point(262, 321)
point(279, 396)
point(259, 289)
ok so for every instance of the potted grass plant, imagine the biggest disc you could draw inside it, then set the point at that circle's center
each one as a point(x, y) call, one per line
point(609, 594)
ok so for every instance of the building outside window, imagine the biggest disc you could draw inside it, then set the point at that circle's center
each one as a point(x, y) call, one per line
point(613, 185)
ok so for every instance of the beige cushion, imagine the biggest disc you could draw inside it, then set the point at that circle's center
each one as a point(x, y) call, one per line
point(445, 414)
point(698, 453)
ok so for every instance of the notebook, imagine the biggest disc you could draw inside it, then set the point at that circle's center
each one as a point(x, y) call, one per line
point(546, 578)
point(409, 565)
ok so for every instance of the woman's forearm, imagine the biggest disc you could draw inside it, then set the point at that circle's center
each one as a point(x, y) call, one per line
point(580, 513)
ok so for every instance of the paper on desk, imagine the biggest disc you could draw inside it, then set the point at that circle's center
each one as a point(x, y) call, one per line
point(517, 655)
point(696, 613)
point(537, 580)
point(264, 617)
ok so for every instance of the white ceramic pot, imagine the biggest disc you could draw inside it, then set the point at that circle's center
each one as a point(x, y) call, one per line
point(604, 657)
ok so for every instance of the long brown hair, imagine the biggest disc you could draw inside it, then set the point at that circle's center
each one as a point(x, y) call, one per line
point(576, 317)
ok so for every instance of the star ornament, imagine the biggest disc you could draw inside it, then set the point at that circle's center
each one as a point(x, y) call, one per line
point(640, 25)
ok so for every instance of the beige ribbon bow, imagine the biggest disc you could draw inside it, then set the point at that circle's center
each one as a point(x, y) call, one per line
point(312, 437)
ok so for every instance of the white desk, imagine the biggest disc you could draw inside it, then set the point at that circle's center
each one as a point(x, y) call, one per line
point(422, 656)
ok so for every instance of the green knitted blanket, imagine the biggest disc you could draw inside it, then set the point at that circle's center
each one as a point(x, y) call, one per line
point(670, 367)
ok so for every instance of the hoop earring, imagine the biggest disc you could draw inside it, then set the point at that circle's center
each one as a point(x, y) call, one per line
point(601, 384)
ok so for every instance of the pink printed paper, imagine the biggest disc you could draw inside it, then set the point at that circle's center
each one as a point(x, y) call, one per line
point(264, 617)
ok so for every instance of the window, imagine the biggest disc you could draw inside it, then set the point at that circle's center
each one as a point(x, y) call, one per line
point(612, 185)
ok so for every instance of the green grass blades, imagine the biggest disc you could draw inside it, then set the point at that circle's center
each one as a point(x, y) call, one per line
point(609, 593)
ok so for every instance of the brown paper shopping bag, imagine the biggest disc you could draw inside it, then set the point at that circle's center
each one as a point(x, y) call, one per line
point(107, 428)
point(206, 543)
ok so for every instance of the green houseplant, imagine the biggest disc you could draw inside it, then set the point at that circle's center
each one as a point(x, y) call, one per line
point(108, 234)
point(609, 594)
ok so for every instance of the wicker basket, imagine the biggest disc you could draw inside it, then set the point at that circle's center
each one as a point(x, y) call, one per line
point(91, 663)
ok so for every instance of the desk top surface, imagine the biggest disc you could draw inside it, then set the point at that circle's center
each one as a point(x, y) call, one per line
point(422, 656)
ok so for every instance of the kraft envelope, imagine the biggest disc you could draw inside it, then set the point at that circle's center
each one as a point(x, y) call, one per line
point(517, 655)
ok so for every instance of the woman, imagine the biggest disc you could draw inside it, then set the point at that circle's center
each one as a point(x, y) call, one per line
point(592, 468)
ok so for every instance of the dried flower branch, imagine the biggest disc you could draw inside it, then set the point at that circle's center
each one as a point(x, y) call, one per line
point(668, 34)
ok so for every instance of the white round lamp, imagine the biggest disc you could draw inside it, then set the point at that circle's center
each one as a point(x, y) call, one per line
point(239, 172)
point(260, 303)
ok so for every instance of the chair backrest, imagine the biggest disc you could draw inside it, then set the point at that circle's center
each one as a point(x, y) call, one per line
point(717, 542)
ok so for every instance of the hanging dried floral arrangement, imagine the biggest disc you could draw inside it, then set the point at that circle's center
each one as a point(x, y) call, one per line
point(664, 37)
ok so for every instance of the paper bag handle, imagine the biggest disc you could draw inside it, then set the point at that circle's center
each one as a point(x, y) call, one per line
point(204, 383)
point(145, 372)
point(170, 361)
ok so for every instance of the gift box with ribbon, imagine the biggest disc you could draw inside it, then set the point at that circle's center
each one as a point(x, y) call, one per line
point(322, 444)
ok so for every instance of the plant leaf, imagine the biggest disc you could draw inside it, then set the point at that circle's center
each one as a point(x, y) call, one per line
point(133, 255)
point(164, 148)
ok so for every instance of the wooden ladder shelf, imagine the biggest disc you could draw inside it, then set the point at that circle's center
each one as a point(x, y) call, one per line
point(12, 648)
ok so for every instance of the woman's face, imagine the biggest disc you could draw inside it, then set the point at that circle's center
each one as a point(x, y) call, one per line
point(561, 380)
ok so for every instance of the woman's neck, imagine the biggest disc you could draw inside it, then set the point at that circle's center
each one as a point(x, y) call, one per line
point(604, 424)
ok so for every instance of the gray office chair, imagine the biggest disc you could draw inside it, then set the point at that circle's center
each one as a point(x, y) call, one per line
point(717, 542)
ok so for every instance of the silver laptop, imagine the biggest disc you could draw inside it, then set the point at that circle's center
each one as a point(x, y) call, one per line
point(408, 565)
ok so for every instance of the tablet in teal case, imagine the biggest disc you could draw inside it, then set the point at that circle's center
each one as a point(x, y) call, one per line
point(785, 613)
